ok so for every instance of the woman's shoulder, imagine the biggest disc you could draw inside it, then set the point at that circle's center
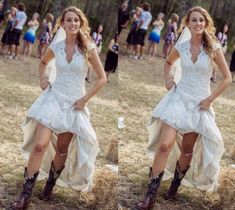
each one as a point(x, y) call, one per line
point(57, 46)
point(180, 46)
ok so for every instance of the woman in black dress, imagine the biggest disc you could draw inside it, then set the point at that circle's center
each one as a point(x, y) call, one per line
point(232, 64)
point(112, 57)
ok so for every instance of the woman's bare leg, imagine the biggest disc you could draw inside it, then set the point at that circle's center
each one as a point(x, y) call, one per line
point(63, 142)
point(188, 142)
point(166, 142)
point(42, 139)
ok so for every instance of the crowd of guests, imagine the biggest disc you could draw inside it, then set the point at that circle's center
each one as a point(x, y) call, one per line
point(141, 20)
point(16, 20)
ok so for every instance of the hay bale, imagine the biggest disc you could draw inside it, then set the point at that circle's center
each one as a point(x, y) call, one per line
point(112, 150)
point(105, 190)
point(226, 190)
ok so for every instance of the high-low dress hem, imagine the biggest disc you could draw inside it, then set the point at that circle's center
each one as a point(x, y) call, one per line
point(54, 109)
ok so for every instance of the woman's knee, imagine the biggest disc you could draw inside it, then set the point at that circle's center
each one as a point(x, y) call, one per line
point(165, 147)
point(40, 146)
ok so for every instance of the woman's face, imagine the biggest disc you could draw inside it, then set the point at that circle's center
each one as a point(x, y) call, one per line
point(225, 29)
point(138, 11)
point(35, 16)
point(13, 11)
point(100, 29)
point(159, 17)
point(197, 23)
point(71, 23)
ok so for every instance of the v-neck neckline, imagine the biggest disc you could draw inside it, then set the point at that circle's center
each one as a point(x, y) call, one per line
point(75, 52)
point(190, 53)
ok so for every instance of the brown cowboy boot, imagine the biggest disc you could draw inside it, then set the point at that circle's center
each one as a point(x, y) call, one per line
point(24, 200)
point(53, 176)
point(176, 181)
point(148, 202)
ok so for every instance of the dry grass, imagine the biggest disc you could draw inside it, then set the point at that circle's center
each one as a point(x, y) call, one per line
point(18, 89)
point(140, 88)
point(226, 190)
point(105, 190)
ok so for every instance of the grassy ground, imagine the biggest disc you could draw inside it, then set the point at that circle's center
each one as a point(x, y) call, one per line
point(140, 85)
point(19, 87)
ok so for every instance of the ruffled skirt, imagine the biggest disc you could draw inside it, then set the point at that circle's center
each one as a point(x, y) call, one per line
point(83, 148)
point(185, 117)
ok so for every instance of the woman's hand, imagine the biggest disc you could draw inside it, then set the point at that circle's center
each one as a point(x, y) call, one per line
point(205, 104)
point(169, 83)
point(44, 82)
point(79, 104)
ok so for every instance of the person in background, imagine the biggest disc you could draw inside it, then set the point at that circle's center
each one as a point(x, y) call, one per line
point(134, 22)
point(2, 14)
point(232, 68)
point(223, 40)
point(123, 16)
point(45, 34)
point(141, 30)
point(5, 37)
point(30, 34)
point(155, 36)
point(112, 57)
point(170, 36)
point(16, 30)
point(97, 38)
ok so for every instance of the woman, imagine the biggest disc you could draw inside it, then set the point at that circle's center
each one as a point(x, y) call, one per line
point(97, 39)
point(232, 65)
point(7, 31)
point(186, 110)
point(155, 35)
point(170, 35)
point(134, 22)
point(59, 117)
point(112, 57)
point(223, 40)
point(45, 35)
point(30, 34)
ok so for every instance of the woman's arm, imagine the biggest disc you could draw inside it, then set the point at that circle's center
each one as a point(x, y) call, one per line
point(110, 45)
point(223, 67)
point(44, 82)
point(99, 70)
point(101, 80)
point(169, 81)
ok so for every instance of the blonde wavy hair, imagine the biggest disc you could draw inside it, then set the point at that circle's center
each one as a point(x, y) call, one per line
point(208, 37)
point(83, 36)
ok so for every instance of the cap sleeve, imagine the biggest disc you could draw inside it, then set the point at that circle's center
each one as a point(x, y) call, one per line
point(52, 47)
point(178, 47)
point(216, 46)
point(91, 46)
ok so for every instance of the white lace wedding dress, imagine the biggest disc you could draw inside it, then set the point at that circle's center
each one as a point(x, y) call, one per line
point(179, 108)
point(54, 109)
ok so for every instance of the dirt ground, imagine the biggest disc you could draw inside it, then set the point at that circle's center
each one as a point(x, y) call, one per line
point(19, 87)
point(140, 86)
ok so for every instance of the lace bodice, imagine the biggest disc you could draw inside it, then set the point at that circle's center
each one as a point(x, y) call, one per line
point(195, 76)
point(69, 83)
